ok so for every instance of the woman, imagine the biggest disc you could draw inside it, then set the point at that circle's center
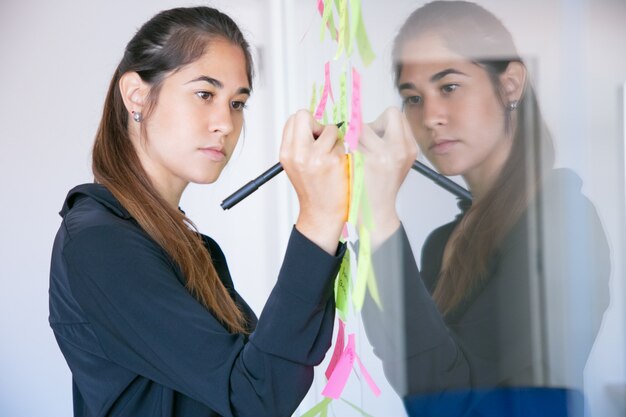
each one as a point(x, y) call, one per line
point(481, 313)
point(143, 306)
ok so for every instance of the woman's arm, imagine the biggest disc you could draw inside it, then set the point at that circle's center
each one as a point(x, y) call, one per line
point(147, 322)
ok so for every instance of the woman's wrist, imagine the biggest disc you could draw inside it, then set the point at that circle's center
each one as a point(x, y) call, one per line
point(324, 233)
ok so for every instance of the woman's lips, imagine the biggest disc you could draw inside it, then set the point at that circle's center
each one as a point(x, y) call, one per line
point(443, 146)
point(215, 154)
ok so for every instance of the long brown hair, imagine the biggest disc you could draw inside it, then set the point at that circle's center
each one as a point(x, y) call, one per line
point(475, 33)
point(168, 41)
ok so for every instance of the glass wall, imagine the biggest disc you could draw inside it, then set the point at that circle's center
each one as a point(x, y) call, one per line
point(541, 325)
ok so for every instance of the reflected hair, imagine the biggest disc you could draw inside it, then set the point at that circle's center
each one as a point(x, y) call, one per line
point(475, 33)
point(163, 45)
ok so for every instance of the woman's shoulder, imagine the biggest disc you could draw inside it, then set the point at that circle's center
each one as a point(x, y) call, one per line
point(88, 207)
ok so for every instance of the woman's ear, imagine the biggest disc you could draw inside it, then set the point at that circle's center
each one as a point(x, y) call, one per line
point(134, 91)
point(513, 80)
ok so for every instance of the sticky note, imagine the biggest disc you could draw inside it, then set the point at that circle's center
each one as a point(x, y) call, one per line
point(338, 350)
point(343, 101)
point(344, 29)
point(339, 377)
point(355, 13)
point(358, 34)
point(342, 287)
point(363, 268)
point(326, 11)
point(368, 378)
point(354, 128)
point(358, 184)
point(320, 409)
point(327, 91)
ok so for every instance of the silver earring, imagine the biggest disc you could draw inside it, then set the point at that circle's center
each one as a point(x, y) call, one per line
point(137, 116)
point(512, 105)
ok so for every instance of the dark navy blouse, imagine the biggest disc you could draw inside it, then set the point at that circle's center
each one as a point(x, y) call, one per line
point(139, 344)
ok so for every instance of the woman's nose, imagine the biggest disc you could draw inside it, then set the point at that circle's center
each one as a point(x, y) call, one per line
point(434, 112)
point(220, 119)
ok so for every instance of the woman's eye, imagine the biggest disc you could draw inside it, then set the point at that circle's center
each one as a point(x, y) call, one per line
point(204, 95)
point(412, 100)
point(448, 88)
point(238, 105)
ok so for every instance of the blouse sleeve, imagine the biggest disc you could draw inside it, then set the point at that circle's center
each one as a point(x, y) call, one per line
point(147, 322)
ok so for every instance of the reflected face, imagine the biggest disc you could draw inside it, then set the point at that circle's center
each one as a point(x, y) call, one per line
point(196, 122)
point(454, 111)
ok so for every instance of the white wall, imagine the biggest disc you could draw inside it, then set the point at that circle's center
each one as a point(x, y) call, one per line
point(57, 59)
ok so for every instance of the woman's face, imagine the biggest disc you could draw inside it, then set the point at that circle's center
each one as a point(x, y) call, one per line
point(194, 127)
point(454, 111)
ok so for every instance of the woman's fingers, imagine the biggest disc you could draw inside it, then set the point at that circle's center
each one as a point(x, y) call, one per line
point(315, 163)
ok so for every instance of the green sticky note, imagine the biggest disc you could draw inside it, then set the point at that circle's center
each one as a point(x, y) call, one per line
point(366, 211)
point(372, 286)
point(320, 408)
point(368, 223)
point(355, 13)
point(344, 29)
point(328, 22)
point(364, 265)
point(342, 287)
point(343, 102)
point(365, 48)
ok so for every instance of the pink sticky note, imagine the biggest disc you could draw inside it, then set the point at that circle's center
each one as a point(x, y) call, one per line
point(319, 112)
point(327, 81)
point(339, 377)
point(344, 231)
point(338, 349)
point(354, 129)
point(368, 377)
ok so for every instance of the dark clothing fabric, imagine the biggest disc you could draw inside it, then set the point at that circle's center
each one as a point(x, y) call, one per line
point(528, 323)
point(139, 344)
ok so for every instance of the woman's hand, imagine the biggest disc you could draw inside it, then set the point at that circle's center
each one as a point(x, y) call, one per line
point(315, 163)
point(389, 150)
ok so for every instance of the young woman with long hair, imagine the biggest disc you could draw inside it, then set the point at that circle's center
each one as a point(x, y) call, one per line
point(477, 314)
point(142, 305)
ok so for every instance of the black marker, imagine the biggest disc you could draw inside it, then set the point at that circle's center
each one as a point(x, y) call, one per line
point(443, 181)
point(254, 185)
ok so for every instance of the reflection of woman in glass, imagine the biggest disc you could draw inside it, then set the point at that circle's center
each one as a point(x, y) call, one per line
point(471, 321)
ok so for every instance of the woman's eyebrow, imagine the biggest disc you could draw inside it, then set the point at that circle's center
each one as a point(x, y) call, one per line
point(218, 84)
point(406, 86)
point(434, 78)
point(445, 72)
point(210, 80)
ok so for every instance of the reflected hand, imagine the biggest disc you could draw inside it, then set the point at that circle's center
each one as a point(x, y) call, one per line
point(389, 150)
